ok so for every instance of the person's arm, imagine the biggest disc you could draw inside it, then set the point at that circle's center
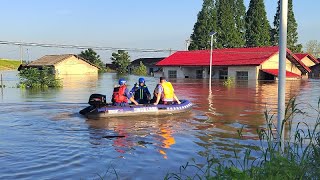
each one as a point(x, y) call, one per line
point(158, 99)
point(130, 97)
point(134, 88)
point(176, 98)
point(134, 101)
point(159, 89)
point(148, 93)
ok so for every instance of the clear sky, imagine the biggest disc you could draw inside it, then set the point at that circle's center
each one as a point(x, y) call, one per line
point(161, 24)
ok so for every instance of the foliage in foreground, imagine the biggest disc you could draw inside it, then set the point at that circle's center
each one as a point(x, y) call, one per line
point(299, 159)
point(35, 78)
point(141, 70)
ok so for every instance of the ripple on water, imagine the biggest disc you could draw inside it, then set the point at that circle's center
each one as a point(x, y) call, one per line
point(44, 137)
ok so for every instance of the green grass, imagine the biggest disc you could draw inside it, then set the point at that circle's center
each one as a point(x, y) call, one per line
point(8, 64)
point(300, 158)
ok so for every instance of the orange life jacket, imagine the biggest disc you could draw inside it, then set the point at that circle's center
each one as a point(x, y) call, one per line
point(118, 95)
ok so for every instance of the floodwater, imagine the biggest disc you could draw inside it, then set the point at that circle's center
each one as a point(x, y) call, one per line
point(42, 135)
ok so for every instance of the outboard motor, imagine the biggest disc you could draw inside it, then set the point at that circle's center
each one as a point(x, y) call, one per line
point(97, 100)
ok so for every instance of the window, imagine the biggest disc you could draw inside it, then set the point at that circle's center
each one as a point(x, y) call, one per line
point(242, 75)
point(172, 74)
point(223, 74)
point(199, 74)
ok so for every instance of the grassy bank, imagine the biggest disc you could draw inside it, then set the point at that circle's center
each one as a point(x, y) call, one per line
point(8, 64)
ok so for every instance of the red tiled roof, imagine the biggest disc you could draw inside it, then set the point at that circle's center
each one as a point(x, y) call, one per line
point(303, 55)
point(275, 72)
point(228, 57)
point(220, 57)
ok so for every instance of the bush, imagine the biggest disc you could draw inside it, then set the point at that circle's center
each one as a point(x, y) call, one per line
point(35, 78)
point(141, 70)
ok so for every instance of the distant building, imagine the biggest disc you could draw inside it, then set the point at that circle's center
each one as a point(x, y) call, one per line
point(111, 66)
point(64, 64)
point(150, 64)
point(311, 62)
point(258, 63)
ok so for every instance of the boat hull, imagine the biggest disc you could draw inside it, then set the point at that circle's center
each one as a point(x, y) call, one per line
point(114, 111)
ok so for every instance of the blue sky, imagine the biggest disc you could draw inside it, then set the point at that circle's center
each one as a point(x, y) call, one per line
point(161, 24)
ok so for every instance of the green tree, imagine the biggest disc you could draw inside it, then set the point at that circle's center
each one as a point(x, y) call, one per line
point(36, 78)
point(92, 57)
point(141, 70)
point(122, 60)
point(239, 15)
point(292, 36)
point(229, 24)
point(206, 23)
point(313, 47)
point(257, 25)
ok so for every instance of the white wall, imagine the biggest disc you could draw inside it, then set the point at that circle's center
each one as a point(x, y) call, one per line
point(252, 71)
point(182, 72)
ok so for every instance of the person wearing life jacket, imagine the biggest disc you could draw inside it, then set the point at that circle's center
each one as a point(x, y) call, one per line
point(141, 92)
point(165, 92)
point(121, 95)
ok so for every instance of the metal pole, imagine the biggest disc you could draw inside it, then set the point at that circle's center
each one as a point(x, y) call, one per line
point(210, 74)
point(282, 71)
point(1, 82)
point(21, 54)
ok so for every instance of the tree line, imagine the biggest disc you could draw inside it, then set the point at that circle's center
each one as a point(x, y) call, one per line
point(120, 59)
point(234, 26)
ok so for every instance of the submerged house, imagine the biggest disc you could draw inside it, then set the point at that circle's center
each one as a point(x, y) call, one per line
point(150, 64)
point(258, 63)
point(64, 64)
point(311, 62)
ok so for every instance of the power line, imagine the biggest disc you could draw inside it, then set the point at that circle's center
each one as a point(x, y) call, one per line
point(82, 47)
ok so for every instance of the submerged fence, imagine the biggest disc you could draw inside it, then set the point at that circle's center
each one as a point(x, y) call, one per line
point(8, 80)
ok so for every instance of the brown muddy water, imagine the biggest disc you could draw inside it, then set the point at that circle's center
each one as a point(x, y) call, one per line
point(42, 135)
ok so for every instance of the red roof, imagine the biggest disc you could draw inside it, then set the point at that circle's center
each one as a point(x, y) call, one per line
point(275, 72)
point(220, 57)
point(228, 57)
point(303, 55)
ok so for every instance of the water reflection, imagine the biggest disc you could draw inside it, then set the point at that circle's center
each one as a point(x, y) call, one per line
point(42, 132)
point(155, 132)
point(79, 81)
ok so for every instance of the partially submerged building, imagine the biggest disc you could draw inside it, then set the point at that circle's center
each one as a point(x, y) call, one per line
point(150, 64)
point(258, 63)
point(64, 64)
point(311, 62)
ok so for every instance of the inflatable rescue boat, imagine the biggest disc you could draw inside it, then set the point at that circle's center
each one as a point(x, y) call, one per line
point(99, 108)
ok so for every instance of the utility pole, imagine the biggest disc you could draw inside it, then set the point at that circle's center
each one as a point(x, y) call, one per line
point(21, 53)
point(282, 71)
point(187, 44)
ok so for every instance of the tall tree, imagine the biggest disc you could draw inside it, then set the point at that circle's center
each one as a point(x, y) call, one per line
point(313, 47)
point(292, 37)
point(239, 15)
point(257, 25)
point(122, 60)
point(229, 24)
point(206, 23)
point(92, 57)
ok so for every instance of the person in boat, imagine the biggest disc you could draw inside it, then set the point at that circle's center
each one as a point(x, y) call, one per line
point(141, 92)
point(121, 95)
point(164, 93)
